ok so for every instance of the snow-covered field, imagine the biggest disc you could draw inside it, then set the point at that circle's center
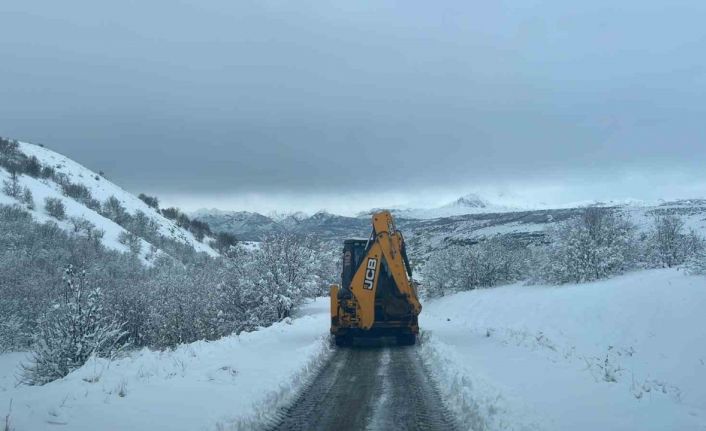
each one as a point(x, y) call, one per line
point(230, 384)
point(622, 354)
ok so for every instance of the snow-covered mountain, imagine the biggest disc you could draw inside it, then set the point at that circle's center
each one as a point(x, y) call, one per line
point(251, 226)
point(60, 173)
point(246, 226)
point(288, 219)
point(468, 204)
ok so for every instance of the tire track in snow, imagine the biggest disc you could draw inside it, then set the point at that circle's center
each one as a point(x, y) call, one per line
point(370, 389)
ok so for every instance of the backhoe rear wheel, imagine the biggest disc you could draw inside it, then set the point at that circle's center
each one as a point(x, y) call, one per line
point(406, 339)
point(344, 340)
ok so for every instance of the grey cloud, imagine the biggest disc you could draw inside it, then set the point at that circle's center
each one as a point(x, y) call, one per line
point(326, 99)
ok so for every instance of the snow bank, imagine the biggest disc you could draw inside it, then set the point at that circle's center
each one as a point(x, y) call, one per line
point(233, 383)
point(622, 354)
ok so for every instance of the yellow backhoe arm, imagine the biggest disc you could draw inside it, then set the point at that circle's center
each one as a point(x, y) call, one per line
point(386, 247)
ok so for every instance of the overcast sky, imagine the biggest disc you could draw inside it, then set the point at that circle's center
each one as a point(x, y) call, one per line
point(346, 105)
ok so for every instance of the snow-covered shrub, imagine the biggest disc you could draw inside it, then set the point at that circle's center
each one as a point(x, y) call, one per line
point(32, 167)
point(177, 216)
point(441, 272)
point(151, 201)
point(183, 306)
point(12, 334)
point(199, 228)
point(259, 287)
point(171, 213)
point(10, 156)
point(696, 262)
point(132, 241)
point(7, 147)
point(595, 245)
point(239, 302)
point(327, 266)
point(27, 198)
point(145, 227)
point(55, 208)
point(47, 172)
point(14, 160)
point(486, 264)
point(79, 192)
point(667, 241)
point(284, 265)
point(494, 262)
point(74, 328)
point(113, 209)
point(11, 186)
point(224, 242)
point(81, 225)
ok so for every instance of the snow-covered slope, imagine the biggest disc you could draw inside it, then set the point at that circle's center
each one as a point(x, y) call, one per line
point(622, 354)
point(100, 189)
point(425, 236)
point(234, 383)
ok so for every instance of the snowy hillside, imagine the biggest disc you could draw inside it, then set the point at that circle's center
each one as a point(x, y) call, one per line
point(100, 190)
point(622, 354)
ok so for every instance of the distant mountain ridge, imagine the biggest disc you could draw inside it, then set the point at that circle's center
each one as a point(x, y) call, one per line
point(252, 226)
point(468, 204)
point(430, 233)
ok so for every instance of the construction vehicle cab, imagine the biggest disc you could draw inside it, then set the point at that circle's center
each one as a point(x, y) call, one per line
point(376, 297)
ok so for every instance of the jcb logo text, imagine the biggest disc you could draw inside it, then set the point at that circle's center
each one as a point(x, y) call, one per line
point(370, 273)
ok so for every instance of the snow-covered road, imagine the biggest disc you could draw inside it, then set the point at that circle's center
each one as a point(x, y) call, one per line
point(375, 388)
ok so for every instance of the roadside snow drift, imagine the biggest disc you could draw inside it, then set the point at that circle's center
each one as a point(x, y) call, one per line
point(234, 383)
point(622, 354)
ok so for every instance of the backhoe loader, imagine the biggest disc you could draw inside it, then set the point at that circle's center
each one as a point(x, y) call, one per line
point(376, 297)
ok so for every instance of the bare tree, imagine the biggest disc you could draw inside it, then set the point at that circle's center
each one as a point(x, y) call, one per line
point(670, 246)
point(441, 273)
point(667, 238)
point(27, 198)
